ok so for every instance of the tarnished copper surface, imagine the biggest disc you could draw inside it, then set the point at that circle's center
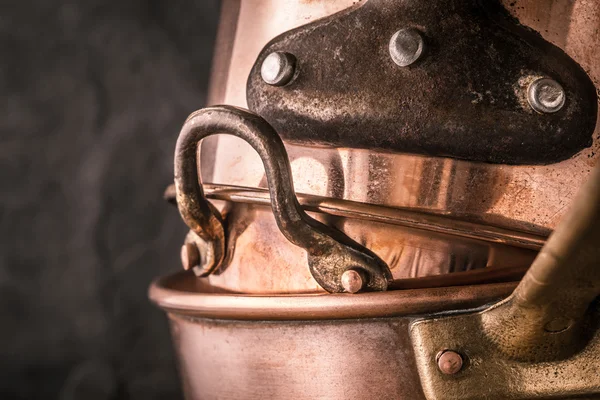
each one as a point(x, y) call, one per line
point(185, 294)
point(301, 347)
point(301, 360)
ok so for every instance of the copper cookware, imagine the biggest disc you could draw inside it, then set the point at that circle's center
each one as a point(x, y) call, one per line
point(275, 225)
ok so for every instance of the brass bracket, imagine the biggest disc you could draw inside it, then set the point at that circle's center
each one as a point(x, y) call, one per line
point(487, 372)
point(542, 341)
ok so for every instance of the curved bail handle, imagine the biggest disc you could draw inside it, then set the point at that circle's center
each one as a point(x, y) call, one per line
point(330, 252)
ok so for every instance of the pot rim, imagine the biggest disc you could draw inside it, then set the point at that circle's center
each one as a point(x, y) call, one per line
point(183, 293)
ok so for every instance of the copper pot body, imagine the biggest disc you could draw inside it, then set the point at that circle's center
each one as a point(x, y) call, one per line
point(361, 359)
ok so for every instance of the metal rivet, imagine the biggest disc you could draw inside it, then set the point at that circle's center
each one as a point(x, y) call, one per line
point(190, 256)
point(352, 281)
point(406, 46)
point(546, 95)
point(449, 362)
point(278, 68)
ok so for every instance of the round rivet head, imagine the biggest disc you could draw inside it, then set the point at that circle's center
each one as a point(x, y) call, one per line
point(449, 362)
point(190, 256)
point(546, 95)
point(352, 281)
point(406, 46)
point(278, 68)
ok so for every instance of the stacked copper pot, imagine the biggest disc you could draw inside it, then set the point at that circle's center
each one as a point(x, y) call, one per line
point(313, 262)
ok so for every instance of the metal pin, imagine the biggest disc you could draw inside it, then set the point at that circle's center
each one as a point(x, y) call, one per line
point(353, 281)
point(546, 96)
point(278, 68)
point(406, 46)
point(449, 362)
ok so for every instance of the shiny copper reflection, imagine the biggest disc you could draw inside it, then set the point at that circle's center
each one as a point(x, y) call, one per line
point(185, 294)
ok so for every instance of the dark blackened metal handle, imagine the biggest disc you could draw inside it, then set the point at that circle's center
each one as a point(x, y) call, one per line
point(330, 252)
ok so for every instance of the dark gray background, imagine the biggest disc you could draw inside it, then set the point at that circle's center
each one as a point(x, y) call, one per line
point(93, 93)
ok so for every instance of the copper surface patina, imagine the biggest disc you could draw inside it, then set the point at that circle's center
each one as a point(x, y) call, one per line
point(323, 272)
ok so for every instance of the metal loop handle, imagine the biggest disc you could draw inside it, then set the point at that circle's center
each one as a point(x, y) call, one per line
point(330, 252)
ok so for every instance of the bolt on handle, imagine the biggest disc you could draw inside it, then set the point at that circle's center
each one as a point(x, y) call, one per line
point(330, 252)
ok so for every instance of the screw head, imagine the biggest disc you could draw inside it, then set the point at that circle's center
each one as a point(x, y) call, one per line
point(449, 362)
point(190, 256)
point(545, 95)
point(406, 46)
point(353, 281)
point(278, 68)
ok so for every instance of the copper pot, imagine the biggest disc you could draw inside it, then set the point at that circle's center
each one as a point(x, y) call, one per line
point(455, 235)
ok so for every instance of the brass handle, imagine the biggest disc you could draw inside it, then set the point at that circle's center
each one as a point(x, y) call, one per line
point(543, 340)
point(548, 309)
point(330, 252)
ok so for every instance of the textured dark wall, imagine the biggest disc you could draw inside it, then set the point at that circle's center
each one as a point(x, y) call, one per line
point(93, 93)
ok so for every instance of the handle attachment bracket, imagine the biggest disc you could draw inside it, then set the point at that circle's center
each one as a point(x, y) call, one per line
point(330, 252)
